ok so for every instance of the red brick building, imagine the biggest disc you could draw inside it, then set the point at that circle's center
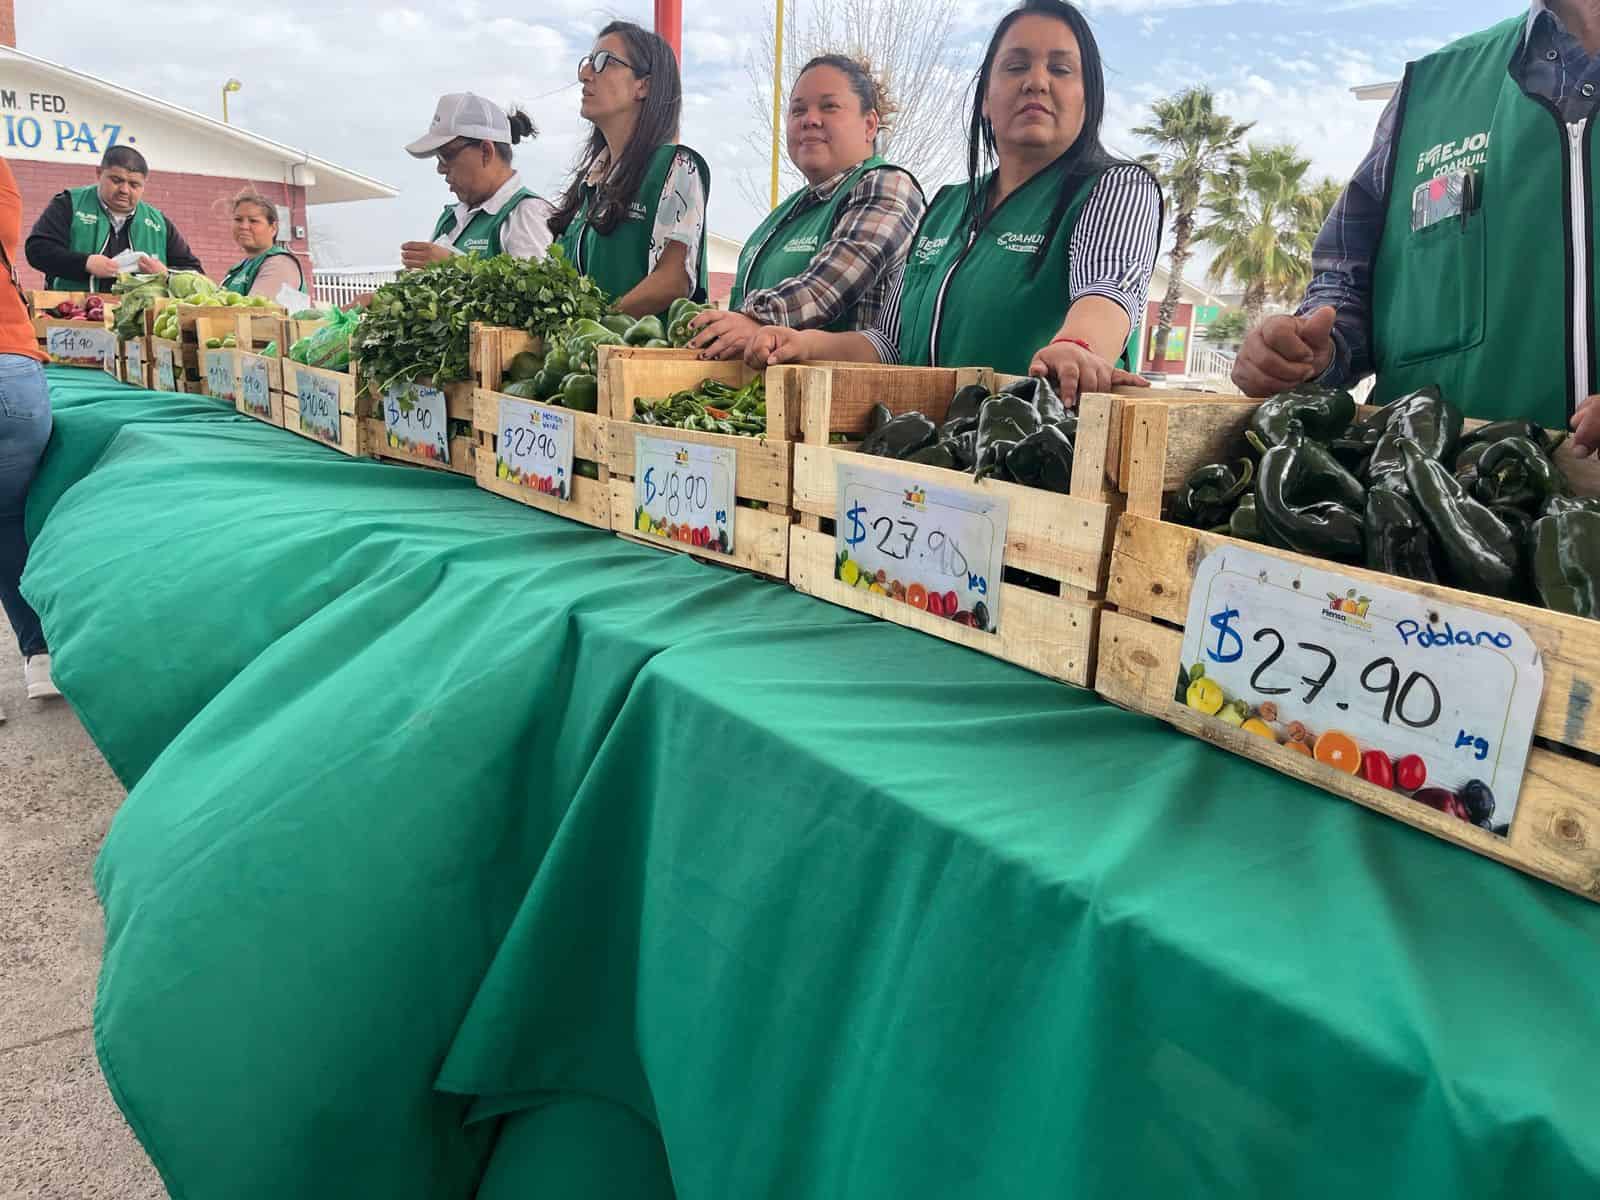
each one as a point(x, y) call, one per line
point(55, 123)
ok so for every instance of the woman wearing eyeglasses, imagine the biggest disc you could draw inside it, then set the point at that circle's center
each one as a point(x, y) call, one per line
point(633, 217)
point(470, 140)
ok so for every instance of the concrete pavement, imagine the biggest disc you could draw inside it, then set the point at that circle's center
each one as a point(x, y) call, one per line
point(61, 1136)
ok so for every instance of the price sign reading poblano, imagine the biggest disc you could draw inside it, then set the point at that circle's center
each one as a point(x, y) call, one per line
point(415, 421)
point(535, 447)
point(219, 374)
point(684, 491)
point(81, 347)
point(255, 386)
point(1435, 701)
point(937, 549)
point(166, 370)
point(319, 406)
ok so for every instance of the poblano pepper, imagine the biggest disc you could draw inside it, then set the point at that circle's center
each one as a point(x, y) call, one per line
point(900, 437)
point(1245, 523)
point(1468, 458)
point(1517, 471)
point(1494, 431)
point(1043, 459)
point(1476, 549)
point(1210, 493)
point(878, 416)
point(1518, 520)
point(1037, 391)
point(1306, 501)
point(936, 455)
point(964, 446)
point(1557, 505)
point(1322, 414)
point(1424, 417)
point(1566, 562)
point(1398, 542)
point(962, 414)
point(1003, 420)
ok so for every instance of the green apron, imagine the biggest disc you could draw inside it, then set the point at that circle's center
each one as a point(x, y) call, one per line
point(241, 277)
point(91, 231)
point(969, 298)
point(785, 244)
point(1497, 306)
point(617, 261)
point(481, 234)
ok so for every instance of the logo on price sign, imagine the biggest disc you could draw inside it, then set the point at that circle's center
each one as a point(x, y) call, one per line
point(219, 373)
point(684, 491)
point(937, 549)
point(535, 448)
point(81, 347)
point(1435, 701)
point(319, 406)
point(416, 422)
point(255, 388)
point(166, 370)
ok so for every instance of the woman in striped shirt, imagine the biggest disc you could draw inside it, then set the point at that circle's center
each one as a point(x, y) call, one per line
point(1039, 264)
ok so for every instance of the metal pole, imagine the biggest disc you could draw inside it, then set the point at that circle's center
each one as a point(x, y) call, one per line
point(669, 24)
point(224, 104)
point(777, 99)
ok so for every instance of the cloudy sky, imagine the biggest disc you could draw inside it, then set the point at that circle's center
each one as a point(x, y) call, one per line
point(353, 82)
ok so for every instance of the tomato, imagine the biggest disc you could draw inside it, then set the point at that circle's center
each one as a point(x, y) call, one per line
point(935, 604)
point(1376, 768)
point(1410, 773)
point(917, 596)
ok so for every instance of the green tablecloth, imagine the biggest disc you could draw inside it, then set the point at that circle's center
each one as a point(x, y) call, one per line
point(446, 809)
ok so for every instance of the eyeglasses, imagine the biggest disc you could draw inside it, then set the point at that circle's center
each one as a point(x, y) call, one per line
point(448, 153)
point(601, 59)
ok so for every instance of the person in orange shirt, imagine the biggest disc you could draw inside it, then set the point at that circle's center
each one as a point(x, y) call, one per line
point(24, 430)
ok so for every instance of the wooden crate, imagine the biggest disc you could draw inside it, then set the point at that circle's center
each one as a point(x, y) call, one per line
point(257, 366)
point(133, 361)
point(377, 443)
point(1555, 832)
point(219, 374)
point(174, 366)
point(297, 379)
point(764, 465)
point(57, 327)
point(1056, 545)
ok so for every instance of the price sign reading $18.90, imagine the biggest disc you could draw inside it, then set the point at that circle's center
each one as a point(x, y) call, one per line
point(415, 421)
point(255, 386)
point(684, 491)
point(937, 549)
point(219, 374)
point(319, 406)
point(1432, 700)
point(166, 370)
point(81, 347)
point(535, 449)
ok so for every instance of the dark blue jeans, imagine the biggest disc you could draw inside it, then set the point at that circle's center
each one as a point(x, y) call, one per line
point(24, 430)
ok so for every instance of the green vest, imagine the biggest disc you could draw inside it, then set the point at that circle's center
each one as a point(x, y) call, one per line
point(969, 298)
point(241, 277)
point(482, 233)
point(1497, 308)
point(785, 243)
point(618, 260)
point(91, 230)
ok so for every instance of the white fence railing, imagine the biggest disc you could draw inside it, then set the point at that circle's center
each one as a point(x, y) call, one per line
point(1214, 366)
point(341, 285)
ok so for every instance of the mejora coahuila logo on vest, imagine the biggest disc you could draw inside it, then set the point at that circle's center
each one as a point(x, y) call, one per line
point(1020, 243)
point(928, 248)
point(801, 245)
point(1451, 156)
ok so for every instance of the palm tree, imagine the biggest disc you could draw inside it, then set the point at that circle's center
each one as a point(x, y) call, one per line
point(1260, 226)
point(1194, 142)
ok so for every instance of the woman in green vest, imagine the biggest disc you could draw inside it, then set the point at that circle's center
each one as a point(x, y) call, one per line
point(633, 217)
point(266, 267)
point(470, 139)
point(1038, 264)
point(827, 256)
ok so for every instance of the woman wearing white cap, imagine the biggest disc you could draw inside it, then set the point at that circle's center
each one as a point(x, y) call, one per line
point(471, 139)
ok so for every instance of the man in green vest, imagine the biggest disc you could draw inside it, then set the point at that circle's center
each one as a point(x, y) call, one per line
point(1462, 253)
point(84, 231)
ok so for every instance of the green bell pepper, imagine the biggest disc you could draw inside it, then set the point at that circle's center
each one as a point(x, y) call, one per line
point(1477, 550)
point(1306, 501)
point(1322, 414)
point(1566, 562)
point(1516, 471)
point(580, 392)
point(1397, 540)
point(619, 323)
point(1424, 417)
point(647, 329)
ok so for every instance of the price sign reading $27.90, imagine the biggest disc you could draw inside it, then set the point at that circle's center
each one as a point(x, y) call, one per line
point(255, 386)
point(937, 549)
point(684, 491)
point(415, 421)
point(81, 347)
point(1432, 700)
point(535, 449)
point(219, 374)
point(319, 406)
point(166, 370)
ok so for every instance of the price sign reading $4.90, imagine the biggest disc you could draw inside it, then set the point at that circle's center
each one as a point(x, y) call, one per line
point(219, 374)
point(415, 421)
point(684, 491)
point(938, 549)
point(1433, 700)
point(535, 448)
point(319, 406)
point(255, 386)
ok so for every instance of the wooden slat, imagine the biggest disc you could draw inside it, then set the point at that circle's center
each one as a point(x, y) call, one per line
point(1555, 834)
point(345, 382)
point(1203, 427)
point(622, 378)
point(762, 465)
point(761, 538)
point(1049, 635)
point(590, 503)
point(274, 386)
point(1153, 565)
point(375, 444)
point(1096, 450)
point(588, 429)
point(1062, 537)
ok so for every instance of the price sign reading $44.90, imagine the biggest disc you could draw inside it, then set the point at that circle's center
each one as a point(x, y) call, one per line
point(535, 449)
point(1432, 700)
point(255, 386)
point(684, 491)
point(319, 406)
point(81, 347)
point(937, 549)
point(219, 374)
point(415, 421)
point(166, 370)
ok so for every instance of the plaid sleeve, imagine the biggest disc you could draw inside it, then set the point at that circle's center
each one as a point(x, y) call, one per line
point(869, 243)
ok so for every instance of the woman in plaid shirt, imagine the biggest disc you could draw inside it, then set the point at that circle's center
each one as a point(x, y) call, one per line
point(826, 257)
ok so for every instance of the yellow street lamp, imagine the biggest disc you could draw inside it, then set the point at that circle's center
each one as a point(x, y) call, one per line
point(233, 85)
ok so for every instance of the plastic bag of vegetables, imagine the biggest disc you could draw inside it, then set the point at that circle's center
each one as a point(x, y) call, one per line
point(328, 347)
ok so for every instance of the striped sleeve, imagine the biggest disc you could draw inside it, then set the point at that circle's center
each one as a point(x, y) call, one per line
point(885, 335)
point(1116, 240)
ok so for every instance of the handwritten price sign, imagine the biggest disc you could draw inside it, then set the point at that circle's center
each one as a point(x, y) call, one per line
point(934, 548)
point(166, 370)
point(319, 406)
point(81, 347)
point(535, 449)
point(255, 386)
point(1375, 670)
point(133, 362)
point(416, 421)
point(219, 374)
point(685, 492)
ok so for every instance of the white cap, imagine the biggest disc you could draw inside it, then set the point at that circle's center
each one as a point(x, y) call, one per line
point(462, 114)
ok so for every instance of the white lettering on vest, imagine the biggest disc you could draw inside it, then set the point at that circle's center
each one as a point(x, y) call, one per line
point(636, 211)
point(928, 248)
point(1020, 243)
point(1440, 159)
point(801, 245)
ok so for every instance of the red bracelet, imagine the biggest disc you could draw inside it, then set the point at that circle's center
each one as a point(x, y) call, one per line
point(1073, 341)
